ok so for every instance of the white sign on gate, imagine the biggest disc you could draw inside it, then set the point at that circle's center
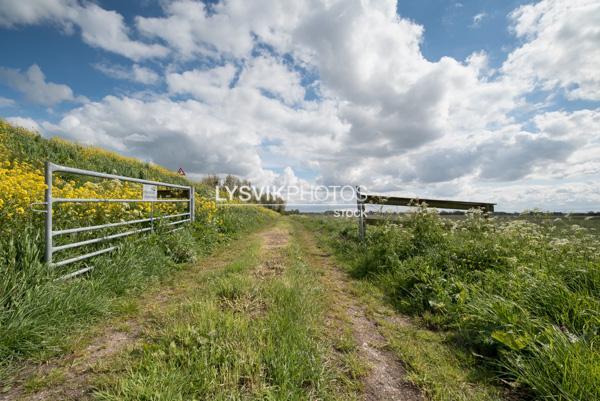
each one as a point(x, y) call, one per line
point(149, 192)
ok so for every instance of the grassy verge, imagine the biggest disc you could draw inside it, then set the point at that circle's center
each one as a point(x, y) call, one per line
point(443, 370)
point(252, 330)
point(521, 297)
point(40, 317)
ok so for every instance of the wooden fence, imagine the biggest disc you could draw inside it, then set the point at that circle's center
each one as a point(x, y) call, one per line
point(363, 199)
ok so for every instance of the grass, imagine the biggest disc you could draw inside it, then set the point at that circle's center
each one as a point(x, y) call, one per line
point(40, 316)
point(518, 298)
point(37, 312)
point(239, 335)
point(494, 301)
point(444, 370)
point(339, 330)
point(24, 145)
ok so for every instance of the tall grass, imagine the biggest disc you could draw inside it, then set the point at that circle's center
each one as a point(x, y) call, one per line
point(38, 313)
point(525, 297)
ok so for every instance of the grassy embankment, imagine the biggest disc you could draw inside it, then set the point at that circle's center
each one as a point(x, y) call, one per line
point(38, 315)
point(519, 299)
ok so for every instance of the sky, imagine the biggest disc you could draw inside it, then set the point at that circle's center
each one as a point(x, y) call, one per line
point(489, 100)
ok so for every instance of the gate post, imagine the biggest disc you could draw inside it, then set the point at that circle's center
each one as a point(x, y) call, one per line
point(48, 254)
point(192, 203)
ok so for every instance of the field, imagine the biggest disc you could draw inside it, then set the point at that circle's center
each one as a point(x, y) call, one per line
point(249, 304)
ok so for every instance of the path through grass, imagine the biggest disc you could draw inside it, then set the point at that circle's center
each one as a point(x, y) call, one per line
point(269, 317)
point(252, 330)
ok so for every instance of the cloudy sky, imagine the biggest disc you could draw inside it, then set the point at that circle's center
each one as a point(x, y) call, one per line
point(491, 100)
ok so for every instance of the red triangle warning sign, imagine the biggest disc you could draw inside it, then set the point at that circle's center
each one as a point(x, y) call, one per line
point(180, 171)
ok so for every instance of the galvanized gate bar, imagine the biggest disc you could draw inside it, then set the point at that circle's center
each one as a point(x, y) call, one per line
point(100, 239)
point(82, 257)
point(49, 172)
point(177, 222)
point(76, 273)
point(109, 225)
point(63, 169)
point(52, 168)
point(79, 200)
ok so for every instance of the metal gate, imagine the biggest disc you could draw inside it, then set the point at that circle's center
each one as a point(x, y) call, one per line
point(149, 187)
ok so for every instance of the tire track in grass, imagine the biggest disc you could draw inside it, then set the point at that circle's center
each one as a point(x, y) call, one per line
point(272, 259)
point(385, 378)
point(248, 324)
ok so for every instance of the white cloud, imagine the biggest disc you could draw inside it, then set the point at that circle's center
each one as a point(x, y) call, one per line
point(14, 13)
point(561, 47)
point(165, 132)
point(24, 122)
point(208, 85)
point(99, 27)
point(477, 18)
point(190, 31)
point(106, 30)
point(136, 73)
point(32, 84)
point(393, 99)
point(229, 28)
point(6, 102)
point(581, 127)
point(269, 74)
point(222, 133)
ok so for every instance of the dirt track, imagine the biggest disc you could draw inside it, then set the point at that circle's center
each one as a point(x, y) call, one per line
point(386, 377)
point(70, 377)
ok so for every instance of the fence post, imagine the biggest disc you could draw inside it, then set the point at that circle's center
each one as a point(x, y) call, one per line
point(361, 219)
point(48, 254)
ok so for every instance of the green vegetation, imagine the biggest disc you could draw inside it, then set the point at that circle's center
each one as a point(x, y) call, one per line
point(25, 146)
point(252, 330)
point(524, 298)
point(39, 316)
point(442, 370)
point(37, 311)
point(502, 306)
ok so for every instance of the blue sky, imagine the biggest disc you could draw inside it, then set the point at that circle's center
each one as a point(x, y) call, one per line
point(485, 100)
point(450, 29)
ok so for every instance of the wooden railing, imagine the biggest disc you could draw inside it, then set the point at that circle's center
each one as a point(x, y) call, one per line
point(363, 199)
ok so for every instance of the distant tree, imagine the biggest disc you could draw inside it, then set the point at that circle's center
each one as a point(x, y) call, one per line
point(211, 180)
